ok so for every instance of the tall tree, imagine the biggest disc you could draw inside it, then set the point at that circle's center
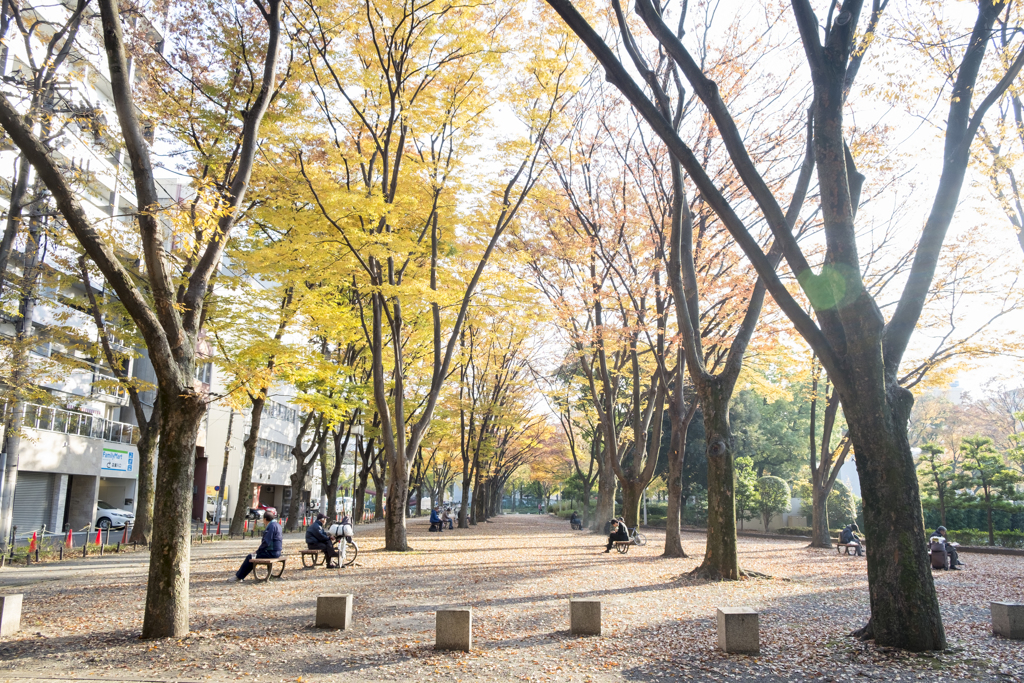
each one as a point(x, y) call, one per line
point(859, 349)
point(405, 94)
point(168, 317)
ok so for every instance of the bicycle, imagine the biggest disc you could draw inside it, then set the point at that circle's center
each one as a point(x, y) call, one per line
point(637, 537)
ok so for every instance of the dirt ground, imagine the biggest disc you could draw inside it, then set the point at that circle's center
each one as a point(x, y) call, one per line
point(82, 620)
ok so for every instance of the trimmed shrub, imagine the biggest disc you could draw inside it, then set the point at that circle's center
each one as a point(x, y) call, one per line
point(842, 509)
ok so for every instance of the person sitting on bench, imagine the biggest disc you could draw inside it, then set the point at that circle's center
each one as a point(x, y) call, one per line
point(618, 533)
point(951, 552)
point(574, 522)
point(271, 546)
point(317, 538)
point(446, 520)
point(848, 536)
point(435, 520)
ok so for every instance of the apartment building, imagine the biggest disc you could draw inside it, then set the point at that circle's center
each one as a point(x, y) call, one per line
point(273, 464)
point(78, 453)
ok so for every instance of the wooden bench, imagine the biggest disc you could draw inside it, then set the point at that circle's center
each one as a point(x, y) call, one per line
point(845, 548)
point(623, 546)
point(314, 555)
point(269, 563)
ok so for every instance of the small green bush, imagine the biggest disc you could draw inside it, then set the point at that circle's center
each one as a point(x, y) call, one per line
point(1004, 539)
point(842, 508)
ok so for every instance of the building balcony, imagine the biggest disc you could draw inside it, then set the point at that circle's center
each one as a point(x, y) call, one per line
point(49, 419)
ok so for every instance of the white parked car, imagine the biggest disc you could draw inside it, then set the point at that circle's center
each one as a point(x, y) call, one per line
point(107, 516)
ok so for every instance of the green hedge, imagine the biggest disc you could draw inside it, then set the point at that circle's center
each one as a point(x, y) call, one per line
point(801, 531)
point(1005, 539)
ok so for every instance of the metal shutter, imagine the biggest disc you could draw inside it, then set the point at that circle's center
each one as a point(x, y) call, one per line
point(33, 499)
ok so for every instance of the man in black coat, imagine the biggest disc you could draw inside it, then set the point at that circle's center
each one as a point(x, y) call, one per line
point(951, 552)
point(618, 533)
point(317, 538)
point(273, 543)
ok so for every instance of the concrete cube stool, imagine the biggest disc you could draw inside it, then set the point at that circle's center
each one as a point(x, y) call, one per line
point(454, 629)
point(1008, 619)
point(585, 617)
point(10, 614)
point(334, 611)
point(738, 630)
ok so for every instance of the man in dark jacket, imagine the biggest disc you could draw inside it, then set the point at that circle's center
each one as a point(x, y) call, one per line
point(951, 552)
point(435, 520)
point(317, 538)
point(618, 533)
point(848, 535)
point(271, 546)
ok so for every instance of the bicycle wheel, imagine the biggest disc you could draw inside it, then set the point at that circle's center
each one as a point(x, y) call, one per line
point(639, 538)
point(351, 550)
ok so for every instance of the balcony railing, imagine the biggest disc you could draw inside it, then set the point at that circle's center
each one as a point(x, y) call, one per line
point(118, 392)
point(67, 422)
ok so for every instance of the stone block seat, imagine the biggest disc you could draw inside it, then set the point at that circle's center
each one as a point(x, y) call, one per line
point(1008, 620)
point(10, 614)
point(584, 617)
point(454, 628)
point(334, 611)
point(738, 630)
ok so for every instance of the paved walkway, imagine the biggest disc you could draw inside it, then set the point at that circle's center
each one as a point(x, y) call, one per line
point(82, 619)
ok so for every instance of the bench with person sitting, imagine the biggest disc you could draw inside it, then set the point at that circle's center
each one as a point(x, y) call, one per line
point(944, 555)
point(435, 520)
point(575, 523)
point(319, 541)
point(268, 554)
point(848, 540)
point(618, 537)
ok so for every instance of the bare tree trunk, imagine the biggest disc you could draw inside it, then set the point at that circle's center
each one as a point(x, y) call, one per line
point(467, 474)
point(904, 606)
point(820, 535)
point(142, 530)
point(676, 463)
point(248, 460)
point(605, 494)
point(720, 557)
point(167, 609)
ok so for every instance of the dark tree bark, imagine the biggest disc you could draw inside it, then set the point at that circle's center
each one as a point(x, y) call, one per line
point(305, 458)
point(244, 497)
point(825, 467)
point(168, 317)
point(677, 463)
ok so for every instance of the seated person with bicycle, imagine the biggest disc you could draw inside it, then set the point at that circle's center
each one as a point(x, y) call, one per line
point(317, 538)
point(575, 523)
point(618, 533)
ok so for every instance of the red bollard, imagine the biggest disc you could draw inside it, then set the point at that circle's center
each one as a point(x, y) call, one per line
point(99, 539)
point(32, 543)
point(124, 536)
point(218, 527)
point(70, 542)
point(245, 526)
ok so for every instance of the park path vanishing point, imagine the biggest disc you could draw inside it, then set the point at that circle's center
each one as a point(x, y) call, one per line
point(82, 619)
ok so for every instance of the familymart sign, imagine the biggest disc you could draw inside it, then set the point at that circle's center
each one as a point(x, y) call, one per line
point(116, 460)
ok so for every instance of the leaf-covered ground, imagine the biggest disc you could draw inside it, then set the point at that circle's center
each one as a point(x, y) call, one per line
point(518, 573)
